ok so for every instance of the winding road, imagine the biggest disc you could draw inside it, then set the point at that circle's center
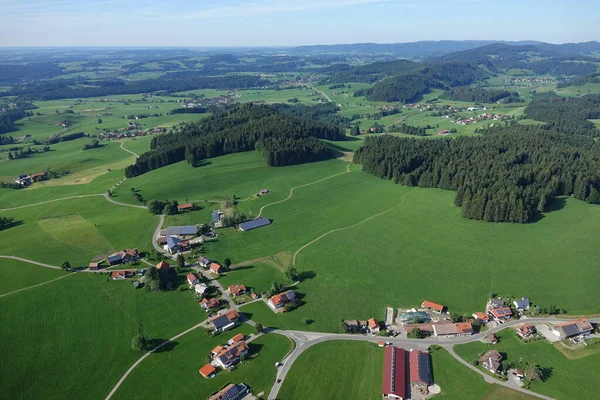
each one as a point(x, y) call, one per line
point(129, 151)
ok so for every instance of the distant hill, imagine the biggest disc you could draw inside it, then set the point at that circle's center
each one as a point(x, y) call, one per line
point(415, 50)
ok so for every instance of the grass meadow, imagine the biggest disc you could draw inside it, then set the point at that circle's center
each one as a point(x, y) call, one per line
point(71, 339)
point(567, 379)
point(76, 230)
point(335, 370)
point(15, 275)
point(174, 374)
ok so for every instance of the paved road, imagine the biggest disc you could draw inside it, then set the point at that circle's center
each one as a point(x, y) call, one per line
point(52, 201)
point(156, 235)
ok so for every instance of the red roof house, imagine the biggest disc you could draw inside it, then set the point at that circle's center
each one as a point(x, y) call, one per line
point(192, 279)
point(207, 370)
point(237, 290)
point(394, 373)
point(216, 268)
point(163, 266)
point(432, 306)
point(207, 304)
point(185, 207)
point(373, 325)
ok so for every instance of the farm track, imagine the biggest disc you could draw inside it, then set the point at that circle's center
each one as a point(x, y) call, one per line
point(129, 151)
point(34, 286)
point(346, 227)
point(52, 201)
point(301, 186)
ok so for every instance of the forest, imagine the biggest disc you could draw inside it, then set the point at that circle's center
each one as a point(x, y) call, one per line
point(242, 128)
point(567, 114)
point(507, 175)
point(479, 95)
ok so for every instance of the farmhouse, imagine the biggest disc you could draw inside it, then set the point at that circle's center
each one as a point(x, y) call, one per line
point(522, 304)
point(374, 326)
point(492, 361)
point(123, 257)
point(279, 300)
point(394, 374)
point(230, 356)
point(254, 224)
point(180, 231)
point(451, 330)
point(192, 279)
point(185, 207)
point(117, 275)
point(209, 304)
point(216, 268)
point(428, 305)
point(225, 321)
point(501, 312)
point(525, 331)
point(231, 392)
point(217, 218)
point(237, 290)
point(207, 370)
point(420, 371)
point(571, 329)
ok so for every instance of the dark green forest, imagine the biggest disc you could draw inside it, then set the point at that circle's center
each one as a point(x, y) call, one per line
point(243, 128)
point(507, 175)
point(567, 114)
point(479, 95)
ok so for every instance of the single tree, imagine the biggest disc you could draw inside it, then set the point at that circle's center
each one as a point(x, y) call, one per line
point(291, 273)
point(227, 262)
point(66, 266)
point(415, 334)
point(258, 327)
point(99, 120)
point(139, 342)
point(180, 261)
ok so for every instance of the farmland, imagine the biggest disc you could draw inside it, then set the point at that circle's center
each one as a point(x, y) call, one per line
point(15, 275)
point(565, 379)
point(356, 375)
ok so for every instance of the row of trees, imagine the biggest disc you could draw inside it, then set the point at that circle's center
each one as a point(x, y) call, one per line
point(507, 175)
point(231, 131)
point(409, 130)
point(158, 207)
point(6, 222)
point(479, 95)
point(93, 145)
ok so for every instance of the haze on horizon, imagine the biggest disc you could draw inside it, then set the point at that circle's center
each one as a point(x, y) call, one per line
point(221, 23)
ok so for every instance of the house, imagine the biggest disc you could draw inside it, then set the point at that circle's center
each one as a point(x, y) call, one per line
point(263, 192)
point(225, 321)
point(117, 275)
point(279, 300)
point(352, 325)
point(176, 245)
point(571, 329)
point(204, 262)
point(185, 207)
point(192, 279)
point(200, 289)
point(522, 304)
point(94, 266)
point(428, 305)
point(231, 392)
point(209, 304)
point(114, 259)
point(123, 257)
point(420, 371)
point(237, 338)
point(163, 267)
point(216, 350)
point(483, 317)
point(255, 223)
point(520, 374)
point(496, 303)
point(501, 312)
point(207, 370)
point(450, 330)
point(230, 356)
point(254, 296)
point(374, 326)
point(216, 268)
point(180, 231)
point(493, 339)
point(525, 331)
point(394, 374)
point(237, 290)
point(492, 361)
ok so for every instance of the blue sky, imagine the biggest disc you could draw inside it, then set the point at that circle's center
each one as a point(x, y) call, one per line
point(290, 22)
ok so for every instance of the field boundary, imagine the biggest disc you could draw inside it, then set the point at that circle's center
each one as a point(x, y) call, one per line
point(34, 286)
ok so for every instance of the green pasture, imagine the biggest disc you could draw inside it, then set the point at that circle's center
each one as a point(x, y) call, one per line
point(138, 145)
point(174, 373)
point(15, 275)
point(588, 88)
point(76, 230)
point(68, 156)
point(458, 382)
point(335, 370)
point(256, 276)
point(64, 334)
point(566, 379)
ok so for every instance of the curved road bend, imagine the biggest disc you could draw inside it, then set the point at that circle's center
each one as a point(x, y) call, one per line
point(129, 151)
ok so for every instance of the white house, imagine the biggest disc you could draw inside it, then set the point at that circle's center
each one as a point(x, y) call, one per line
point(200, 289)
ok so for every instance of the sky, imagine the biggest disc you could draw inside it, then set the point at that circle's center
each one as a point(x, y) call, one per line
point(218, 23)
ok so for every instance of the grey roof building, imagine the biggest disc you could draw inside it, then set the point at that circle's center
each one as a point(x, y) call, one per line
point(189, 230)
point(255, 223)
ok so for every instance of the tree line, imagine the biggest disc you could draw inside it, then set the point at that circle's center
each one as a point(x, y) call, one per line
point(409, 130)
point(479, 95)
point(507, 175)
point(281, 151)
point(232, 131)
point(568, 115)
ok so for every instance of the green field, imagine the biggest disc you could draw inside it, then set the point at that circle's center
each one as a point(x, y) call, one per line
point(174, 374)
point(77, 231)
point(257, 276)
point(567, 379)
point(15, 275)
point(457, 382)
point(71, 339)
point(335, 370)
